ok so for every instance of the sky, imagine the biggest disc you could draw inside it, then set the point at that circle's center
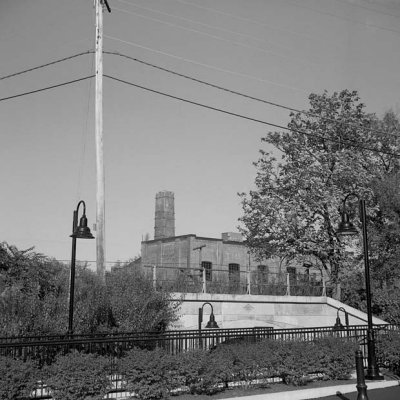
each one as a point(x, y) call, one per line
point(274, 50)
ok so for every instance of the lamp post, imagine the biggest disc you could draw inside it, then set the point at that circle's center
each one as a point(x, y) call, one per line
point(338, 324)
point(346, 227)
point(211, 324)
point(80, 231)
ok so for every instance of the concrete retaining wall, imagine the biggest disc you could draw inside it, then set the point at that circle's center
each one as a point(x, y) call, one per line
point(240, 311)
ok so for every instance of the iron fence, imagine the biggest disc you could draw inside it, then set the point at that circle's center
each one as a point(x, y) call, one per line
point(44, 349)
point(224, 281)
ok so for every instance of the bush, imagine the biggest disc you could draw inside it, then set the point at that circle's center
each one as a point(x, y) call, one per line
point(17, 378)
point(190, 367)
point(149, 374)
point(78, 376)
point(388, 350)
point(335, 357)
point(155, 374)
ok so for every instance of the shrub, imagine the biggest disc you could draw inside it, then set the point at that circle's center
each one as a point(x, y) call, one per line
point(190, 367)
point(334, 357)
point(78, 376)
point(388, 350)
point(156, 374)
point(17, 378)
point(149, 374)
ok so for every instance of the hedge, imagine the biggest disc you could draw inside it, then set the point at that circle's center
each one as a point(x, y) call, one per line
point(78, 376)
point(156, 374)
point(17, 378)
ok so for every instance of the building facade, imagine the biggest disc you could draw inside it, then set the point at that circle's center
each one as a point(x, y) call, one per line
point(219, 265)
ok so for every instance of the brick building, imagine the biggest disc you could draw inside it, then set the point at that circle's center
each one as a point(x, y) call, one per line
point(222, 265)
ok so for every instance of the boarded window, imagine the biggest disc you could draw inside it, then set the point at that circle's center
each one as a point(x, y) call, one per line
point(234, 273)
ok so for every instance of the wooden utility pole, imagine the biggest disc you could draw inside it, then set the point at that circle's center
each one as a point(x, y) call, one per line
point(100, 180)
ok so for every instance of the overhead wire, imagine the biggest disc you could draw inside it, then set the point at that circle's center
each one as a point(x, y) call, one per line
point(214, 36)
point(307, 113)
point(238, 17)
point(46, 88)
point(209, 66)
point(351, 4)
point(177, 74)
point(217, 28)
point(296, 4)
point(46, 65)
point(341, 142)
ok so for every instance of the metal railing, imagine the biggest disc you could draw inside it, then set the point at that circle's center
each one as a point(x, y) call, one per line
point(222, 281)
point(45, 349)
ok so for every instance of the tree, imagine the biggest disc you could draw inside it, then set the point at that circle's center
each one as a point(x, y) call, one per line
point(135, 305)
point(31, 286)
point(326, 154)
point(34, 292)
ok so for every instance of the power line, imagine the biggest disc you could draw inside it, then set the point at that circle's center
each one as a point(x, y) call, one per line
point(46, 65)
point(171, 72)
point(205, 25)
point(188, 60)
point(309, 114)
point(236, 43)
point(46, 88)
point(341, 142)
point(366, 8)
point(343, 18)
point(253, 21)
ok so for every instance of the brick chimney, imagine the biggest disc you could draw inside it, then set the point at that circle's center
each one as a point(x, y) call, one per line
point(164, 222)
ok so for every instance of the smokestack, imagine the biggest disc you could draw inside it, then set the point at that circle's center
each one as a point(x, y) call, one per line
point(164, 223)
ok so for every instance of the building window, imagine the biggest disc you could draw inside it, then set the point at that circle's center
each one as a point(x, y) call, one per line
point(292, 275)
point(207, 266)
point(234, 273)
point(262, 271)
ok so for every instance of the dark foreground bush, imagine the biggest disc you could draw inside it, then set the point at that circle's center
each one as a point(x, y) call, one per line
point(155, 374)
point(149, 374)
point(152, 375)
point(17, 378)
point(388, 349)
point(78, 376)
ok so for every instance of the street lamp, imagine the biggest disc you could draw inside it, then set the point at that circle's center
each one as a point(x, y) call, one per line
point(80, 231)
point(338, 324)
point(346, 227)
point(211, 324)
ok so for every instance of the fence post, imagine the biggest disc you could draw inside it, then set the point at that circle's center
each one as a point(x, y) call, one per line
point(287, 284)
point(361, 386)
point(204, 280)
point(248, 281)
point(323, 287)
point(154, 277)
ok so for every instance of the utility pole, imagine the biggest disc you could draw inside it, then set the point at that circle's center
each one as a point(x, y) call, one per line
point(100, 180)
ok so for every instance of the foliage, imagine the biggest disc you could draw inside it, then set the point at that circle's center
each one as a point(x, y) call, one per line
point(135, 305)
point(190, 367)
point(388, 349)
point(156, 374)
point(34, 292)
point(149, 374)
point(78, 376)
point(325, 155)
point(31, 285)
point(17, 378)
